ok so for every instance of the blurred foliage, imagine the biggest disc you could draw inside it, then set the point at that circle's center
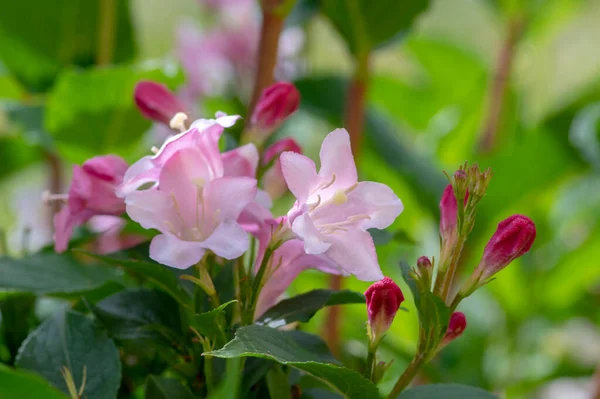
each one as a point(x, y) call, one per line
point(428, 100)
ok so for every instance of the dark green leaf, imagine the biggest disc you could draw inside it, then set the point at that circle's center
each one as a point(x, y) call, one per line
point(166, 388)
point(366, 25)
point(303, 307)
point(278, 384)
point(136, 260)
point(446, 391)
point(208, 323)
point(140, 313)
point(269, 343)
point(23, 384)
point(303, 11)
point(72, 340)
point(99, 103)
point(17, 319)
point(59, 33)
point(50, 273)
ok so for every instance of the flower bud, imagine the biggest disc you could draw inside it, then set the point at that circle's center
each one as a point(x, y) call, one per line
point(383, 301)
point(425, 270)
point(156, 102)
point(456, 326)
point(512, 239)
point(273, 182)
point(448, 210)
point(276, 103)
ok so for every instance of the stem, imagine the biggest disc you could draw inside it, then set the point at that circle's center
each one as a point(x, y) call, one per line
point(208, 366)
point(354, 122)
point(596, 384)
point(500, 83)
point(106, 34)
point(272, 25)
point(55, 181)
point(250, 306)
point(371, 360)
point(408, 375)
point(449, 275)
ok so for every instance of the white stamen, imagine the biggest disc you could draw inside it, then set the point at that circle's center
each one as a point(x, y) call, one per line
point(178, 122)
point(154, 149)
point(48, 198)
point(315, 205)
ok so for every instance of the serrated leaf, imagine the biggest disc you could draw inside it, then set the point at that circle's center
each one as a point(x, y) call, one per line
point(72, 340)
point(139, 314)
point(269, 343)
point(366, 25)
point(50, 273)
point(166, 388)
point(24, 384)
point(207, 323)
point(100, 103)
point(304, 306)
point(446, 391)
point(137, 261)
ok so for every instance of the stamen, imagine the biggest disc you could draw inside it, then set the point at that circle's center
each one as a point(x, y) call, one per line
point(178, 122)
point(351, 188)
point(315, 205)
point(154, 149)
point(330, 183)
point(171, 228)
point(339, 197)
point(48, 198)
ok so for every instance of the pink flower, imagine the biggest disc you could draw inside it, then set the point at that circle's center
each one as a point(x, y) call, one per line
point(192, 202)
point(92, 192)
point(456, 326)
point(276, 103)
point(273, 180)
point(156, 102)
point(383, 301)
point(333, 210)
point(513, 238)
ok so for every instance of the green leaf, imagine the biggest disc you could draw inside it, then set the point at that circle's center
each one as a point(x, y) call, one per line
point(92, 112)
point(166, 388)
point(303, 307)
point(366, 25)
point(277, 383)
point(136, 260)
point(446, 391)
point(269, 343)
point(50, 273)
point(208, 323)
point(18, 318)
point(59, 33)
point(23, 384)
point(139, 314)
point(72, 340)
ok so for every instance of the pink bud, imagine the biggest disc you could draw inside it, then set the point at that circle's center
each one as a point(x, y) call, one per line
point(512, 239)
point(156, 102)
point(276, 103)
point(448, 209)
point(456, 326)
point(273, 181)
point(383, 301)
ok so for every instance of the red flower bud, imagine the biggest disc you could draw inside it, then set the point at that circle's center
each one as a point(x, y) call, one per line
point(286, 144)
point(448, 209)
point(276, 103)
point(512, 239)
point(456, 326)
point(383, 301)
point(423, 263)
point(156, 102)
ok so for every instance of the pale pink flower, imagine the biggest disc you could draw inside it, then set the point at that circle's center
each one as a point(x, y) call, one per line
point(333, 210)
point(273, 180)
point(92, 192)
point(192, 202)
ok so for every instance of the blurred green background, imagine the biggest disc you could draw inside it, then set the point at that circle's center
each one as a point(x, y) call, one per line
point(67, 72)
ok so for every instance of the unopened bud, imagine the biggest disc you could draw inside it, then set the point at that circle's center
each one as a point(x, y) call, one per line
point(156, 102)
point(383, 301)
point(456, 326)
point(273, 181)
point(425, 270)
point(448, 210)
point(512, 239)
point(276, 103)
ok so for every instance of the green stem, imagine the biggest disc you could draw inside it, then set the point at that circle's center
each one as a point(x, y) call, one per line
point(408, 375)
point(449, 275)
point(371, 359)
point(106, 35)
point(250, 306)
point(208, 367)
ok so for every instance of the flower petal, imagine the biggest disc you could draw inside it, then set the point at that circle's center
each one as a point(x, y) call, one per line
point(241, 161)
point(378, 201)
point(225, 198)
point(141, 172)
point(305, 229)
point(171, 251)
point(355, 253)
point(229, 240)
point(63, 229)
point(152, 209)
point(300, 174)
point(108, 167)
point(336, 159)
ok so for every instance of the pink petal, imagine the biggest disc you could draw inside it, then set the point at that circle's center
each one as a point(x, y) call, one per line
point(80, 191)
point(225, 198)
point(241, 161)
point(169, 250)
point(378, 201)
point(111, 168)
point(355, 253)
point(63, 229)
point(229, 240)
point(152, 209)
point(336, 159)
point(300, 174)
point(305, 229)
point(141, 172)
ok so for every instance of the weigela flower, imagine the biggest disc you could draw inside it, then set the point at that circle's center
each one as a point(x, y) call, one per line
point(191, 200)
point(333, 210)
point(276, 103)
point(156, 102)
point(456, 326)
point(273, 181)
point(383, 301)
point(92, 193)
